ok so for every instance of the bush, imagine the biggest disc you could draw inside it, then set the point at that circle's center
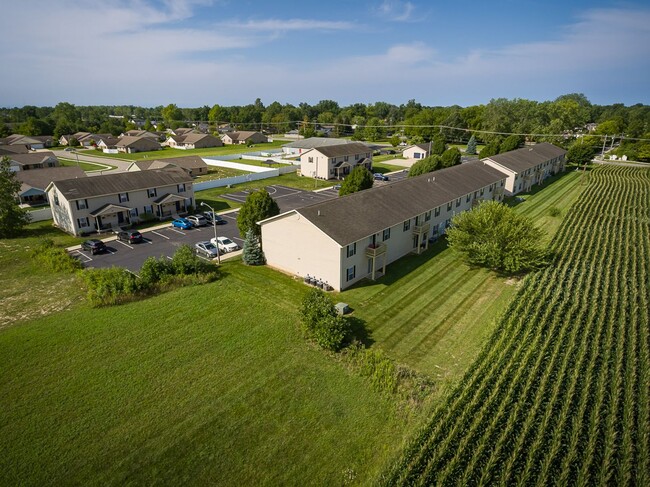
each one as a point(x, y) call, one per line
point(110, 286)
point(321, 322)
point(54, 258)
point(554, 211)
point(185, 262)
point(153, 271)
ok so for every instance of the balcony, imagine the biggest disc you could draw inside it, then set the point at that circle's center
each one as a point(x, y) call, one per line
point(423, 228)
point(375, 250)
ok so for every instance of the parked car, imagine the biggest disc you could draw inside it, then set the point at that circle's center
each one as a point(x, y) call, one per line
point(198, 220)
point(336, 187)
point(68, 149)
point(131, 236)
point(183, 223)
point(207, 249)
point(213, 217)
point(93, 246)
point(225, 244)
point(380, 177)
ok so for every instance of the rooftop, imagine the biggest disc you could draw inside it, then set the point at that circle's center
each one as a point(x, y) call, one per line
point(522, 159)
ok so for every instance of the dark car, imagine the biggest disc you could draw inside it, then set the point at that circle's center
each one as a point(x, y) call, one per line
point(131, 236)
point(94, 246)
point(380, 177)
point(210, 217)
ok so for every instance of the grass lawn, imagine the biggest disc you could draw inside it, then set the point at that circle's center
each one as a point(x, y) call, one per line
point(215, 172)
point(86, 166)
point(432, 311)
point(208, 385)
point(384, 168)
point(386, 157)
point(463, 147)
point(170, 152)
point(214, 199)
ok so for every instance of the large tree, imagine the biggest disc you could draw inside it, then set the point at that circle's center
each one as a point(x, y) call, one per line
point(493, 235)
point(258, 206)
point(451, 157)
point(12, 217)
point(425, 165)
point(510, 143)
point(580, 153)
point(358, 180)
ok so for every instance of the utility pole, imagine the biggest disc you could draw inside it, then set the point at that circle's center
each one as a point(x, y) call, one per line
point(602, 154)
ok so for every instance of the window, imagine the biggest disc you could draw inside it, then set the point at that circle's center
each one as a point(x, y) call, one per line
point(310, 159)
point(386, 235)
point(356, 157)
point(427, 216)
point(437, 213)
point(56, 199)
point(345, 158)
point(148, 209)
point(181, 188)
point(369, 266)
point(482, 191)
point(152, 193)
point(83, 222)
point(469, 197)
point(134, 212)
point(351, 273)
point(449, 206)
point(352, 249)
point(82, 204)
point(457, 202)
point(124, 197)
point(417, 155)
point(407, 224)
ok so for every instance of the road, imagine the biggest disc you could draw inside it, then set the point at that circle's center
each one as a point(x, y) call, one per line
point(122, 166)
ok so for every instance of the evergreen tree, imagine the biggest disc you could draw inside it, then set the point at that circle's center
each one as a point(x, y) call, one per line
point(258, 206)
point(358, 180)
point(12, 217)
point(438, 146)
point(253, 254)
point(471, 146)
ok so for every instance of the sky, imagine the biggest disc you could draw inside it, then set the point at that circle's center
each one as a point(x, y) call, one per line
point(230, 52)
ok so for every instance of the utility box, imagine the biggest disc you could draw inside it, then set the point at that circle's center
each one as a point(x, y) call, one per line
point(342, 308)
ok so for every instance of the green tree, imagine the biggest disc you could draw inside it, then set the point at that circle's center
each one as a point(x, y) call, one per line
point(493, 235)
point(491, 149)
point(258, 206)
point(471, 146)
point(12, 217)
point(394, 140)
point(321, 322)
point(438, 146)
point(374, 130)
point(423, 166)
point(451, 157)
point(511, 142)
point(253, 254)
point(171, 113)
point(358, 180)
point(580, 153)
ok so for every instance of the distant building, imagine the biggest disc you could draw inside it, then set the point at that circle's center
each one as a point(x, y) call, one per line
point(297, 147)
point(34, 182)
point(335, 161)
point(244, 137)
point(193, 165)
point(130, 144)
point(193, 141)
point(31, 160)
point(417, 151)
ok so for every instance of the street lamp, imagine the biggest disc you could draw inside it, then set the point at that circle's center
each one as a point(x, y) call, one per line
point(214, 224)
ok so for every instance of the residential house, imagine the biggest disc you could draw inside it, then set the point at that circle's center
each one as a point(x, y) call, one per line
point(99, 203)
point(335, 161)
point(32, 142)
point(130, 144)
point(244, 137)
point(140, 133)
point(32, 160)
point(417, 151)
point(107, 143)
point(528, 166)
point(9, 150)
point(193, 165)
point(193, 141)
point(297, 147)
point(34, 182)
point(180, 131)
point(343, 240)
point(78, 136)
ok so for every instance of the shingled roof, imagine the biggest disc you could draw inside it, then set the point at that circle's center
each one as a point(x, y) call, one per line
point(123, 182)
point(358, 215)
point(346, 149)
point(41, 178)
point(314, 142)
point(522, 159)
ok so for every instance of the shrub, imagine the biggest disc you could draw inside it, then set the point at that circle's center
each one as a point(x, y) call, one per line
point(110, 286)
point(321, 322)
point(54, 258)
point(155, 270)
point(185, 262)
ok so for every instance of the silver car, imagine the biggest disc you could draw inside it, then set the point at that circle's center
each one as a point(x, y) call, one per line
point(206, 249)
point(197, 220)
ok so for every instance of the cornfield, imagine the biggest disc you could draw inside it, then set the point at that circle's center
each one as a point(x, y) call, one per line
point(559, 396)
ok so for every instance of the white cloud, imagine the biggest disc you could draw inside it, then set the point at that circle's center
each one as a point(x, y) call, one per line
point(291, 25)
point(396, 10)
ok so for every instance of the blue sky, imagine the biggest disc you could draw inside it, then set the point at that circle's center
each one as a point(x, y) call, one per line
point(230, 52)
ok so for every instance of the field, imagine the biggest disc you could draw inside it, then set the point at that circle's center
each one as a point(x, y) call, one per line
point(433, 312)
point(204, 385)
point(559, 395)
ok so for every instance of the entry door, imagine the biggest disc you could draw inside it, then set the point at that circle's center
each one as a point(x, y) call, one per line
point(120, 217)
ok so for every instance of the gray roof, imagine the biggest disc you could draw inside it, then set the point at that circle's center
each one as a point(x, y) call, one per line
point(32, 157)
point(313, 142)
point(522, 159)
point(346, 149)
point(242, 134)
point(186, 162)
point(123, 182)
point(359, 215)
point(40, 178)
point(10, 150)
point(141, 142)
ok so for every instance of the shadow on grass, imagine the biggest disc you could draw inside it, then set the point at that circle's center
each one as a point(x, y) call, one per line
point(359, 331)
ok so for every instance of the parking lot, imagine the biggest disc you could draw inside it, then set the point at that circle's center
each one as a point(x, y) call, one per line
point(287, 198)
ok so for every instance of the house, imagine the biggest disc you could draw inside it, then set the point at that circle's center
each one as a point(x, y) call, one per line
point(344, 240)
point(9, 150)
point(32, 142)
point(335, 161)
point(140, 133)
point(417, 151)
point(243, 137)
point(297, 147)
point(193, 141)
point(193, 165)
point(78, 136)
point(108, 142)
point(32, 160)
point(528, 166)
point(180, 131)
point(34, 182)
point(99, 203)
point(131, 144)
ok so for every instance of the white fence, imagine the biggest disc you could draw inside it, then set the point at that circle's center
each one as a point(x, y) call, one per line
point(41, 215)
point(244, 178)
point(256, 172)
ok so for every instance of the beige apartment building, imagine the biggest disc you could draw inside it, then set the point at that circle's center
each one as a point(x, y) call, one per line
point(100, 203)
point(344, 240)
point(528, 166)
point(335, 161)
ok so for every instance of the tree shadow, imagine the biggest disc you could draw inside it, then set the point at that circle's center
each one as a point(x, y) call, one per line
point(359, 331)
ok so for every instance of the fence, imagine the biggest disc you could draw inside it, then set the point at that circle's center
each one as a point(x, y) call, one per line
point(256, 172)
point(41, 214)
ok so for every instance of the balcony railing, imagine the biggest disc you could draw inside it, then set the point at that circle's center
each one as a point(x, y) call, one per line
point(375, 250)
point(420, 229)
